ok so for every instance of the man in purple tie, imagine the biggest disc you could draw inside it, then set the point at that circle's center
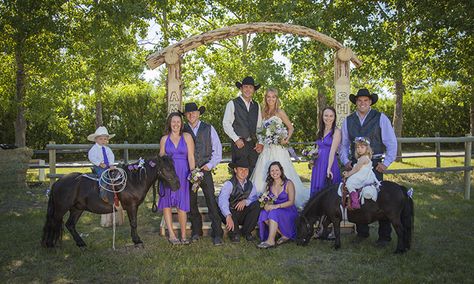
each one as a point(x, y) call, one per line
point(207, 154)
point(100, 155)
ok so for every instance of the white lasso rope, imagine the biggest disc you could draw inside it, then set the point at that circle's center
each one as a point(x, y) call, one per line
point(107, 179)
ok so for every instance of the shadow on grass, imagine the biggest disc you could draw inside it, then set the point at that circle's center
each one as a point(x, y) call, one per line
point(443, 221)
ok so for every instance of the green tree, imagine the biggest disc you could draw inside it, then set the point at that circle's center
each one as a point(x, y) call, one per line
point(31, 35)
point(103, 40)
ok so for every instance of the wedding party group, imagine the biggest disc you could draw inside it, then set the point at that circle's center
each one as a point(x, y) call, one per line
point(265, 188)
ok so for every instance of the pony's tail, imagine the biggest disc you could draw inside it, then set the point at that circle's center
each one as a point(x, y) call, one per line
point(53, 228)
point(408, 217)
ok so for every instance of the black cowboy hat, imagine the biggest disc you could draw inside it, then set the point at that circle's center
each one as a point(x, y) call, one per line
point(192, 107)
point(241, 163)
point(363, 93)
point(247, 81)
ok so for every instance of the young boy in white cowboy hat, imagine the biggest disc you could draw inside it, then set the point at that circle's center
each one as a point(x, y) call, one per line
point(100, 155)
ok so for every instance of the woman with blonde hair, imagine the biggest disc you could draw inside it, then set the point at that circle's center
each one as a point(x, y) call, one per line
point(273, 115)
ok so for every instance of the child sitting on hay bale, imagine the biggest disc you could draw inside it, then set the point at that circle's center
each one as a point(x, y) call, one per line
point(102, 157)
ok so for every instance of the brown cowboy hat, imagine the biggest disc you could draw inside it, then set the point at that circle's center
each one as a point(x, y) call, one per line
point(247, 81)
point(189, 107)
point(363, 93)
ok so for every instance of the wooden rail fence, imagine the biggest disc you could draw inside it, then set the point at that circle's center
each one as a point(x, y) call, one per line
point(52, 149)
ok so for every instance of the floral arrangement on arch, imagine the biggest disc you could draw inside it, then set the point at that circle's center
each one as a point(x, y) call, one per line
point(195, 177)
point(272, 132)
point(310, 153)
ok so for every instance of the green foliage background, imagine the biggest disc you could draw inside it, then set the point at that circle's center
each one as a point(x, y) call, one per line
point(82, 58)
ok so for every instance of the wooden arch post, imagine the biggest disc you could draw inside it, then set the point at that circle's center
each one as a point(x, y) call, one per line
point(172, 55)
point(342, 83)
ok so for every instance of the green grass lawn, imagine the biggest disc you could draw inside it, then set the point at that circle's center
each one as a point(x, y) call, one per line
point(441, 252)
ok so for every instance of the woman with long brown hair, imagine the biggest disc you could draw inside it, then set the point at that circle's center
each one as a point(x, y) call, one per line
point(328, 138)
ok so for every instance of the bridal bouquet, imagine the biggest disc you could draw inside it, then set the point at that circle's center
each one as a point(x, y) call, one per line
point(311, 154)
point(195, 177)
point(266, 198)
point(272, 132)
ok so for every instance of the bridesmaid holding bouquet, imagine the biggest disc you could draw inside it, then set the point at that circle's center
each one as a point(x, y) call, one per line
point(326, 169)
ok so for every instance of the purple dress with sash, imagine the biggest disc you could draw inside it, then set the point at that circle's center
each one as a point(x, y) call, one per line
point(179, 198)
point(318, 176)
point(285, 217)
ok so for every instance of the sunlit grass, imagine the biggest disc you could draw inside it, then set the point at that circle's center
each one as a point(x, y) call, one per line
point(440, 253)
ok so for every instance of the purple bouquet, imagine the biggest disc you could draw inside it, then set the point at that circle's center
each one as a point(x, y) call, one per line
point(272, 132)
point(195, 177)
point(266, 198)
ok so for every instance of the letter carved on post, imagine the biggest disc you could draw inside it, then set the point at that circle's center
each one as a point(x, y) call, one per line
point(174, 84)
point(342, 83)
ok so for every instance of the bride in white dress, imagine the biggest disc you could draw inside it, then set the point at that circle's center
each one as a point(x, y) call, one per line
point(272, 152)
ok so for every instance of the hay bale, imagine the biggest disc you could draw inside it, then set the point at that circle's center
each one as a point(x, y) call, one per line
point(13, 165)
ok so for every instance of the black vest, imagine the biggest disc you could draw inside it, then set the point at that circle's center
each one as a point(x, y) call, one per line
point(371, 129)
point(245, 122)
point(202, 143)
point(239, 193)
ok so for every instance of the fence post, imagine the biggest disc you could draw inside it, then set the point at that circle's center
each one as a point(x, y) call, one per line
point(467, 172)
point(438, 151)
point(125, 153)
point(52, 164)
point(41, 171)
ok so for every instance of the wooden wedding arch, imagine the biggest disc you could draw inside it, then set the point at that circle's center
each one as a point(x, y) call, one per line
point(172, 56)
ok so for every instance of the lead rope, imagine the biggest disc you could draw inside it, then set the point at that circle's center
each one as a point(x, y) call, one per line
point(113, 224)
point(119, 179)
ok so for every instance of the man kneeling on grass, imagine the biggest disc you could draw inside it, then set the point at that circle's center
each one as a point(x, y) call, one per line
point(237, 202)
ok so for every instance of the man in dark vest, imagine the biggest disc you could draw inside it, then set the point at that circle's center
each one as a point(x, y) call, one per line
point(207, 154)
point(237, 202)
point(374, 125)
point(241, 119)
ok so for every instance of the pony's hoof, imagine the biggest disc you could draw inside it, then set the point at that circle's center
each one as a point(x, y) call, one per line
point(139, 245)
point(336, 247)
point(83, 248)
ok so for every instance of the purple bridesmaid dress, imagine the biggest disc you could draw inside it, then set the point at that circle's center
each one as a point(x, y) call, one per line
point(179, 198)
point(318, 176)
point(285, 217)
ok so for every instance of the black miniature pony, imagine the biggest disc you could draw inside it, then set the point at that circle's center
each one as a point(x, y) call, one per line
point(76, 193)
point(393, 204)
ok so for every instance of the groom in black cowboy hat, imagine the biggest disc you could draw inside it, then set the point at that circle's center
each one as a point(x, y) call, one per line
point(374, 125)
point(207, 154)
point(241, 118)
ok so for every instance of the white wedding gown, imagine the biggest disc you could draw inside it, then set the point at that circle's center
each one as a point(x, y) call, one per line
point(278, 153)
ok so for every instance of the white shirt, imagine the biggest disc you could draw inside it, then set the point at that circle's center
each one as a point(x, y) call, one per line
point(96, 157)
point(229, 118)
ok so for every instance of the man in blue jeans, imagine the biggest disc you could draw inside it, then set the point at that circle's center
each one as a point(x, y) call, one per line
point(367, 122)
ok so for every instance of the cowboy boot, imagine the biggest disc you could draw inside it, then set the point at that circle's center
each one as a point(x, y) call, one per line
point(355, 203)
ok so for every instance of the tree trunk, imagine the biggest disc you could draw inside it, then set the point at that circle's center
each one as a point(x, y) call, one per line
point(244, 50)
point(98, 103)
point(322, 102)
point(472, 110)
point(20, 122)
point(400, 52)
point(398, 113)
